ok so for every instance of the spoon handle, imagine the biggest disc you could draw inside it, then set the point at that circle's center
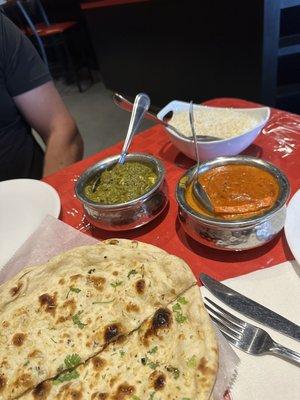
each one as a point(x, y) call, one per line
point(126, 105)
point(140, 106)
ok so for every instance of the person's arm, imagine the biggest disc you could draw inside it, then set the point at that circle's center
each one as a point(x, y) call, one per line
point(46, 113)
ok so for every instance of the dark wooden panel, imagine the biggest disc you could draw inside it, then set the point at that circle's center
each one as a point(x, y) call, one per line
point(180, 50)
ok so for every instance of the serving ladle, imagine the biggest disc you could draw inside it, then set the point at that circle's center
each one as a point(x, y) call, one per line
point(139, 108)
point(125, 104)
point(198, 189)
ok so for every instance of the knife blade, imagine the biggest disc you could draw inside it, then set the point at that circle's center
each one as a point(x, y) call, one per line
point(250, 308)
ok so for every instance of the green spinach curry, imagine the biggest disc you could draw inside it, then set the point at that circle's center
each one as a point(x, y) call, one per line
point(121, 183)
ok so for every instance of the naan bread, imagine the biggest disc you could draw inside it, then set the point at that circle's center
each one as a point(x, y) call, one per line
point(173, 355)
point(77, 303)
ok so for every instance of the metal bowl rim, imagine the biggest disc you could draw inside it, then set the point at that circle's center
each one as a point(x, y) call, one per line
point(110, 161)
point(247, 222)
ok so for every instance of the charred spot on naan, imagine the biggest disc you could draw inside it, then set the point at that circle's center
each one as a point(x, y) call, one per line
point(69, 392)
point(76, 277)
point(41, 391)
point(48, 302)
point(67, 309)
point(98, 363)
point(5, 324)
point(97, 281)
point(99, 396)
point(18, 339)
point(15, 290)
point(131, 307)
point(140, 286)
point(76, 394)
point(205, 369)
point(34, 353)
point(157, 380)
point(3, 381)
point(123, 391)
point(162, 319)
point(24, 381)
point(112, 332)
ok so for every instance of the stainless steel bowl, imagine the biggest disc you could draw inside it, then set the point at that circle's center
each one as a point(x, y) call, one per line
point(238, 234)
point(129, 215)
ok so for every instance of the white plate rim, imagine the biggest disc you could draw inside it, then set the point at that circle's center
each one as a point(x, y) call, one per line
point(292, 224)
point(54, 210)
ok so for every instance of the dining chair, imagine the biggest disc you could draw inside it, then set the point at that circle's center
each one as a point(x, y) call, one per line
point(56, 36)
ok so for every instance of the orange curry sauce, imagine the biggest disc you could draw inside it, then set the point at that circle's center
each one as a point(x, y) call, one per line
point(237, 191)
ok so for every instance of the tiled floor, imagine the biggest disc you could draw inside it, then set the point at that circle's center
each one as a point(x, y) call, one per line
point(100, 121)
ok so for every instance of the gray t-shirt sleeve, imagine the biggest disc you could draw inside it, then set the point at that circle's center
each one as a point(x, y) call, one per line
point(22, 66)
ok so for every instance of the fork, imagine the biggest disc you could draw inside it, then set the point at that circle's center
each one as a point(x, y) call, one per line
point(247, 337)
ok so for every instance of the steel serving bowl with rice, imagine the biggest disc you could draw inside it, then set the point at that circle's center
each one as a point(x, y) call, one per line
point(121, 197)
point(235, 129)
point(249, 196)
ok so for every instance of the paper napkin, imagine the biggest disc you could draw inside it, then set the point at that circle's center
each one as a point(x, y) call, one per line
point(268, 377)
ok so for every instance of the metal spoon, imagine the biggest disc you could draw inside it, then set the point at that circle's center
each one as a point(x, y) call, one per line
point(125, 104)
point(140, 106)
point(198, 189)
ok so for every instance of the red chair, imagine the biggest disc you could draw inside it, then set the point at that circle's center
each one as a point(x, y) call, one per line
point(56, 36)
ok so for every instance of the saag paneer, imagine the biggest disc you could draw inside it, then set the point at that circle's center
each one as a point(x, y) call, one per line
point(121, 183)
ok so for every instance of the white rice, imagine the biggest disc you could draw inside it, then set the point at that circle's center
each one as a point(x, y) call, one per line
point(221, 123)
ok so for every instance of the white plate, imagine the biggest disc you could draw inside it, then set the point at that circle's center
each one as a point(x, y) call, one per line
point(24, 203)
point(292, 226)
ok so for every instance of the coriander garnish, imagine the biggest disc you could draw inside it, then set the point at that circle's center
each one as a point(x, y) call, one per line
point(192, 362)
point(116, 283)
point(153, 365)
point(174, 371)
point(176, 307)
point(180, 318)
point(103, 302)
point(72, 361)
point(132, 272)
point(182, 300)
point(67, 376)
point(77, 321)
point(73, 289)
point(153, 350)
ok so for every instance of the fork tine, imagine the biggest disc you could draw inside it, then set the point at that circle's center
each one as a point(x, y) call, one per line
point(230, 339)
point(231, 317)
point(224, 319)
point(226, 329)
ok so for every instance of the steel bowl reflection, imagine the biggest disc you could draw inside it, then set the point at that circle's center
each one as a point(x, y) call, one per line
point(129, 215)
point(239, 234)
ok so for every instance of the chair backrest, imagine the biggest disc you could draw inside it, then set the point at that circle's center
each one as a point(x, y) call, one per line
point(35, 11)
point(31, 25)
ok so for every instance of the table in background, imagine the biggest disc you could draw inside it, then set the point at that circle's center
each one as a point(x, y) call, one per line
point(279, 143)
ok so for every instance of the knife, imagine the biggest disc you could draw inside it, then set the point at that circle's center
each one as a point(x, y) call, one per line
point(250, 308)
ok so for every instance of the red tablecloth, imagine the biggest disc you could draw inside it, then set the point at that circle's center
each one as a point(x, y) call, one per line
point(279, 143)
